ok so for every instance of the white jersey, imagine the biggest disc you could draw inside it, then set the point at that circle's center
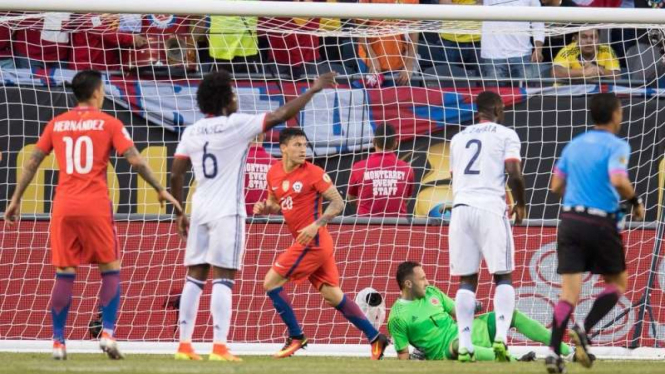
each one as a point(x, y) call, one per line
point(217, 148)
point(477, 158)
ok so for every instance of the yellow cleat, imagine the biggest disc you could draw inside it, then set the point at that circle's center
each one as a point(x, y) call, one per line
point(220, 352)
point(290, 347)
point(186, 353)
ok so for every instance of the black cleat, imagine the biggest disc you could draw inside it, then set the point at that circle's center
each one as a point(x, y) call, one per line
point(554, 364)
point(582, 344)
point(529, 357)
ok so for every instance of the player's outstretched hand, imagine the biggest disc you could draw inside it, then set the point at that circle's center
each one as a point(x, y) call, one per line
point(164, 195)
point(183, 226)
point(11, 213)
point(639, 212)
point(307, 234)
point(326, 80)
point(259, 207)
point(519, 211)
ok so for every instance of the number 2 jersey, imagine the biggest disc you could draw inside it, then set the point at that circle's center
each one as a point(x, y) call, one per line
point(299, 194)
point(217, 148)
point(477, 163)
point(82, 140)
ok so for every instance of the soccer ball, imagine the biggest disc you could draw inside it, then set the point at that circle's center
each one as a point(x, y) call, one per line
point(373, 306)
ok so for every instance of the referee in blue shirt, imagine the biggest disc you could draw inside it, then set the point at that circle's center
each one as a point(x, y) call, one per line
point(592, 176)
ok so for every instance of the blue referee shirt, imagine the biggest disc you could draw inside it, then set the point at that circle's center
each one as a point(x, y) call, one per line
point(587, 163)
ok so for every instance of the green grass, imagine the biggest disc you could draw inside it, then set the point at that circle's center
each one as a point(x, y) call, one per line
point(26, 363)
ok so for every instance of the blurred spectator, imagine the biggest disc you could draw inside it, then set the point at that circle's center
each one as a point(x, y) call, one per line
point(646, 60)
point(99, 46)
point(382, 183)
point(586, 58)
point(258, 163)
point(43, 42)
point(234, 45)
point(6, 58)
point(391, 53)
point(461, 48)
point(293, 49)
point(598, 3)
point(338, 50)
point(506, 48)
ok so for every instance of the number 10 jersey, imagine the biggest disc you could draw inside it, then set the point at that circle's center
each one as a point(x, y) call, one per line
point(217, 148)
point(477, 163)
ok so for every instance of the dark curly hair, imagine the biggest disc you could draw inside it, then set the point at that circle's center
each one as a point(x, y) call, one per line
point(214, 93)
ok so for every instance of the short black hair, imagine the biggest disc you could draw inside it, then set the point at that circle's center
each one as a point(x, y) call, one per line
point(488, 101)
point(290, 132)
point(85, 83)
point(214, 93)
point(602, 107)
point(384, 136)
point(404, 270)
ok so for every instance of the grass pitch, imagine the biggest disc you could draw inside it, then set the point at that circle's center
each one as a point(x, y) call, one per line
point(26, 363)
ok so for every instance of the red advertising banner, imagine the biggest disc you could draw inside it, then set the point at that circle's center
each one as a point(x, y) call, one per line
point(367, 256)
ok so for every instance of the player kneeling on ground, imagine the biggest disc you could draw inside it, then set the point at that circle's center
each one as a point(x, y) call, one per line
point(423, 317)
point(294, 187)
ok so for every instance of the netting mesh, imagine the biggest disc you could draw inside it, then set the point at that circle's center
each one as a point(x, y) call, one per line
point(420, 77)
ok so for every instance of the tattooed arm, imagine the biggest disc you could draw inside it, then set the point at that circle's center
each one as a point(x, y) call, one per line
point(335, 207)
point(29, 170)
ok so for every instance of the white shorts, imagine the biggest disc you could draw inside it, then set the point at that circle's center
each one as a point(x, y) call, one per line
point(220, 243)
point(475, 234)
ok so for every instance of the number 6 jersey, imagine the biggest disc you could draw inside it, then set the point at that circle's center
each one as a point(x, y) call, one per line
point(477, 163)
point(217, 148)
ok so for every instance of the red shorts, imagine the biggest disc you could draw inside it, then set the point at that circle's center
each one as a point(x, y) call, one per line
point(316, 263)
point(77, 240)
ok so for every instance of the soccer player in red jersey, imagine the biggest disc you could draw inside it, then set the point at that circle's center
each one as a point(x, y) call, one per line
point(82, 229)
point(256, 171)
point(381, 184)
point(297, 188)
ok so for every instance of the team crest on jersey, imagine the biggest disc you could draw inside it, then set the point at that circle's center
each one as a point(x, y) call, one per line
point(326, 178)
point(285, 186)
point(162, 21)
point(297, 186)
point(435, 301)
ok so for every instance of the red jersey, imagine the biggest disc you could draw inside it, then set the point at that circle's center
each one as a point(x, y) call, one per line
point(292, 48)
point(45, 39)
point(82, 140)
point(99, 46)
point(382, 183)
point(5, 42)
point(299, 193)
point(256, 173)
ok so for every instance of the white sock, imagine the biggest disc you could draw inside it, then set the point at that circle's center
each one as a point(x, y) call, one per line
point(504, 306)
point(465, 306)
point(189, 308)
point(220, 307)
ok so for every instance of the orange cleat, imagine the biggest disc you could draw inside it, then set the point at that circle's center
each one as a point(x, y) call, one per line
point(379, 346)
point(59, 351)
point(290, 347)
point(220, 352)
point(109, 346)
point(186, 352)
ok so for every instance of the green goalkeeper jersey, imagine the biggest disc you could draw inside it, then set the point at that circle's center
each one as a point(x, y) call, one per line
point(425, 324)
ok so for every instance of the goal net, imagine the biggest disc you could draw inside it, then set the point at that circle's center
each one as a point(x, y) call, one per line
point(419, 76)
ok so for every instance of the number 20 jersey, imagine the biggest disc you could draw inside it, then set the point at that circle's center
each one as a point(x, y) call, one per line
point(477, 163)
point(217, 148)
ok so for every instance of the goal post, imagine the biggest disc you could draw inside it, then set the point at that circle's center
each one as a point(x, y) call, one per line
point(425, 87)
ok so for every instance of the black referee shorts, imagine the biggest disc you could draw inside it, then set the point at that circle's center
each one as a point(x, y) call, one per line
point(589, 243)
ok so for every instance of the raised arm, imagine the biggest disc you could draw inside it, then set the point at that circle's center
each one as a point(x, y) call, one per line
point(29, 170)
point(290, 109)
point(516, 184)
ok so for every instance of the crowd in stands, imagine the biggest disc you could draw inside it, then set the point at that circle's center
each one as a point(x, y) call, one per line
point(242, 46)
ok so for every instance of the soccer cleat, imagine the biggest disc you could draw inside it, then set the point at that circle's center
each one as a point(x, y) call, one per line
point(186, 353)
point(554, 364)
point(220, 352)
point(379, 346)
point(582, 344)
point(59, 351)
point(109, 346)
point(500, 352)
point(465, 356)
point(529, 357)
point(290, 347)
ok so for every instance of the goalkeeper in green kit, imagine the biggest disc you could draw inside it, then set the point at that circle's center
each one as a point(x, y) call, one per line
point(423, 318)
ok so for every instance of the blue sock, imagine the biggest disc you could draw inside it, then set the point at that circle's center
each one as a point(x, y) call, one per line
point(61, 298)
point(284, 309)
point(352, 312)
point(109, 296)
